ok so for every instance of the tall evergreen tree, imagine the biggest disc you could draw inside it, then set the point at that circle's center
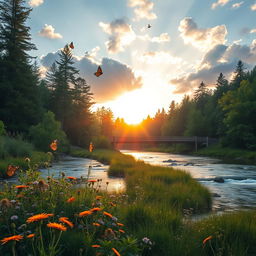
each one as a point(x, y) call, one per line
point(239, 75)
point(19, 105)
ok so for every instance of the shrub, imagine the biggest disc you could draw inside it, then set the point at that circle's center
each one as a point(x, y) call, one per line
point(47, 131)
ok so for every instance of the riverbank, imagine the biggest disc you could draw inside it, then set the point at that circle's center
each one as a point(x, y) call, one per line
point(226, 154)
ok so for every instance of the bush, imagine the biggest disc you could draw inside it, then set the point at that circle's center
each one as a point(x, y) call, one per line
point(2, 129)
point(47, 131)
point(101, 142)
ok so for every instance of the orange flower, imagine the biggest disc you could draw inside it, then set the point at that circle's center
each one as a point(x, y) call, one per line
point(95, 246)
point(96, 209)
point(66, 221)
point(71, 178)
point(112, 204)
point(96, 224)
point(92, 181)
point(21, 186)
point(71, 199)
point(121, 231)
point(207, 239)
point(85, 213)
point(91, 147)
point(108, 214)
point(53, 145)
point(116, 252)
point(56, 226)
point(98, 197)
point(11, 238)
point(120, 224)
point(31, 236)
point(38, 217)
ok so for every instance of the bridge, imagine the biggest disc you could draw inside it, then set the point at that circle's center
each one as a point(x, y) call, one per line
point(173, 139)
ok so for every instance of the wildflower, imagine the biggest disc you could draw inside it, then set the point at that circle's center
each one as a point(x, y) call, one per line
point(71, 178)
point(14, 217)
point(21, 186)
point(207, 239)
point(31, 236)
point(121, 231)
point(112, 204)
point(108, 214)
point(56, 226)
point(120, 224)
point(85, 213)
point(66, 221)
point(116, 252)
point(98, 197)
point(39, 217)
point(54, 145)
point(146, 241)
point(11, 238)
point(42, 185)
point(109, 234)
point(11, 169)
point(96, 209)
point(71, 199)
point(92, 181)
point(27, 159)
point(96, 224)
point(5, 203)
point(95, 246)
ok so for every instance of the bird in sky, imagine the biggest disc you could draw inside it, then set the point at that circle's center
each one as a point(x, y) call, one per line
point(149, 26)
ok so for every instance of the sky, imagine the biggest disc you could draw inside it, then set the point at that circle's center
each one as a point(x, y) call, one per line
point(146, 67)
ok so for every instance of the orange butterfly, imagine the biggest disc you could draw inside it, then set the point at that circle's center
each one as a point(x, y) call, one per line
point(11, 169)
point(54, 145)
point(99, 72)
point(91, 147)
point(71, 45)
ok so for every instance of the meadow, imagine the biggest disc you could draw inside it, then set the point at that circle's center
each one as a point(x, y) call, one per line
point(57, 216)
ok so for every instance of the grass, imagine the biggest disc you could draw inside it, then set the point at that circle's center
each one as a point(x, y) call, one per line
point(229, 154)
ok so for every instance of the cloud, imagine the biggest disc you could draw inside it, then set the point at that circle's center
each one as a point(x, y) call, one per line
point(253, 7)
point(202, 38)
point(159, 57)
point(162, 38)
point(117, 77)
point(253, 30)
point(237, 5)
point(219, 3)
point(35, 3)
point(121, 34)
point(48, 31)
point(143, 9)
point(221, 58)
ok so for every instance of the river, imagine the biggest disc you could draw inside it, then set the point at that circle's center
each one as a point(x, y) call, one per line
point(238, 190)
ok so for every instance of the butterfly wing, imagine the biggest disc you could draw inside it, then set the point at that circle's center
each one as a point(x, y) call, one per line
point(71, 45)
point(11, 170)
point(99, 72)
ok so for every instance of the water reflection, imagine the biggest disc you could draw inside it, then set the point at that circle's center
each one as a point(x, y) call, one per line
point(238, 190)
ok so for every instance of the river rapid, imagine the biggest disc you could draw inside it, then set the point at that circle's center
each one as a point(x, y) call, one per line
point(238, 192)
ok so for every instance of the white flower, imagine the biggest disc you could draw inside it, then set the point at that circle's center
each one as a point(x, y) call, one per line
point(14, 217)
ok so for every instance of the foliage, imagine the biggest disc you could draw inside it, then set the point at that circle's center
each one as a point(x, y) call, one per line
point(47, 131)
point(2, 128)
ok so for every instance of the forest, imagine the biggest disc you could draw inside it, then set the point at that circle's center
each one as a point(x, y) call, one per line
point(59, 106)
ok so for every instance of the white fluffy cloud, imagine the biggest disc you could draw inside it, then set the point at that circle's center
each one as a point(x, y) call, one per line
point(162, 38)
point(117, 77)
point(221, 58)
point(202, 38)
point(35, 3)
point(49, 32)
point(219, 3)
point(237, 5)
point(121, 35)
point(253, 30)
point(253, 7)
point(143, 9)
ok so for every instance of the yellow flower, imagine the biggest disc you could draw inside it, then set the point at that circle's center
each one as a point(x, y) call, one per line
point(56, 226)
point(11, 238)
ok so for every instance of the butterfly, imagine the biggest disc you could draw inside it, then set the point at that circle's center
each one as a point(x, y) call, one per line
point(149, 26)
point(91, 147)
point(71, 45)
point(99, 72)
point(54, 145)
point(11, 169)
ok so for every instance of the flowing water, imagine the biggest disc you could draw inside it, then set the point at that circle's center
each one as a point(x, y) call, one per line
point(238, 190)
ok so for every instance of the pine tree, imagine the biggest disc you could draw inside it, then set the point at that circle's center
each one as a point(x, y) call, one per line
point(19, 105)
point(239, 75)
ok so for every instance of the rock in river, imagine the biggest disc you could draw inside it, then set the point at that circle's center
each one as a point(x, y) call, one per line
point(219, 180)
